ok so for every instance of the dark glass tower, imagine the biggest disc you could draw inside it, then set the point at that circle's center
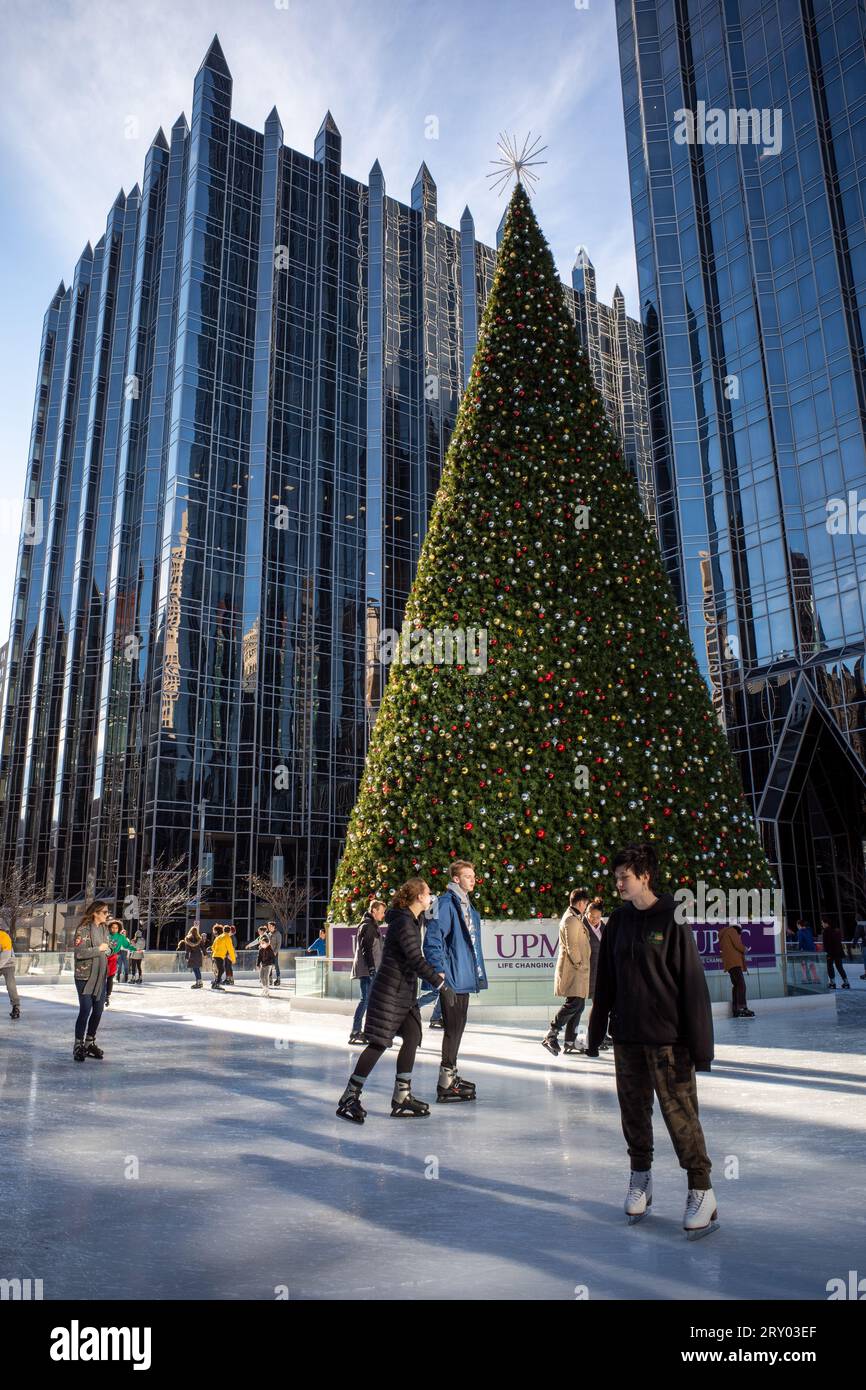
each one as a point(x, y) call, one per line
point(751, 252)
point(245, 397)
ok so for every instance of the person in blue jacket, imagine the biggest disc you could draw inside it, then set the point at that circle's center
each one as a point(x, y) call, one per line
point(452, 946)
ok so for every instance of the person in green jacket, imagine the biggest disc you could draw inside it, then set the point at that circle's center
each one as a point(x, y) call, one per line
point(120, 944)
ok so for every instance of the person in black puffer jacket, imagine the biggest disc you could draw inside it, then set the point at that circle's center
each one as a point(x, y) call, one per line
point(392, 1009)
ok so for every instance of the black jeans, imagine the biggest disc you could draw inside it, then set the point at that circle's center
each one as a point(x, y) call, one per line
point(835, 961)
point(569, 1016)
point(135, 969)
point(90, 1008)
point(738, 988)
point(454, 1018)
point(410, 1032)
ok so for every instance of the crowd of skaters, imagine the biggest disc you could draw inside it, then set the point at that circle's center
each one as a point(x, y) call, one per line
point(647, 983)
point(638, 969)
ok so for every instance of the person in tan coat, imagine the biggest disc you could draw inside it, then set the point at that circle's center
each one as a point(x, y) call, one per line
point(732, 949)
point(571, 982)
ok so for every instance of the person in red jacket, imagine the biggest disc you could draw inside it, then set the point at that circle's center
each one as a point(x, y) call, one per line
point(651, 986)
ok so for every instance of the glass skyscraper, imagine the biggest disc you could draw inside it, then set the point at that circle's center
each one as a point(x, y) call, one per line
point(243, 405)
point(746, 133)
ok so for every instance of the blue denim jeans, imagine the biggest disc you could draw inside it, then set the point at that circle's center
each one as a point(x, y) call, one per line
point(426, 998)
point(365, 982)
point(90, 1008)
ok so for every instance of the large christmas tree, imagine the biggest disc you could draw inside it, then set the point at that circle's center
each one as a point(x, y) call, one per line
point(590, 725)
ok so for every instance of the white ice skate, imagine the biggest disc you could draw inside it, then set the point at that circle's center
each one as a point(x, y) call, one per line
point(640, 1196)
point(700, 1218)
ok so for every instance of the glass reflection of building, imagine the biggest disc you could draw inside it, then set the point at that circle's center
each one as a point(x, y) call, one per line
point(244, 401)
point(752, 277)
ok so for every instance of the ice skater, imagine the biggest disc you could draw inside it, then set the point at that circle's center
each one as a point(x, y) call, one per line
point(571, 981)
point(832, 941)
point(194, 945)
point(452, 946)
point(265, 961)
point(92, 947)
point(651, 981)
point(732, 949)
point(7, 970)
point(137, 958)
point(392, 1009)
point(222, 948)
point(277, 943)
point(595, 927)
point(368, 954)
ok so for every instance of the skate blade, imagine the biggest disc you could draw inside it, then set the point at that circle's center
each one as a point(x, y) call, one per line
point(633, 1220)
point(409, 1114)
point(704, 1231)
point(353, 1119)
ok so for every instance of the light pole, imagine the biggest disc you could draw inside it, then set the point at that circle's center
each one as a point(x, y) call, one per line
point(201, 806)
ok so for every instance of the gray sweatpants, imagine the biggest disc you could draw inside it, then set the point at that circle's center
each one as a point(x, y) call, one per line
point(8, 973)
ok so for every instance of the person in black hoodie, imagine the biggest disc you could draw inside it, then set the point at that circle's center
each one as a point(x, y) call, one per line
point(368, 953)
point(651, 986)
point(392, 1008)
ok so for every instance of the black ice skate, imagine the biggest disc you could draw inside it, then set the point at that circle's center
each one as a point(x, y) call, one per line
point(403, 1105)
point(570, 1048)
point(450, 1088)
point(91, 1049)
point(349, 1106)
point(467, 1086)
point(357, 1040)
point(551, 1041)
point(78, 1053)
point(16, 1012)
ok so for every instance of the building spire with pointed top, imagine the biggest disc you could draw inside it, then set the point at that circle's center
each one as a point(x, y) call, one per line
point(214, 59)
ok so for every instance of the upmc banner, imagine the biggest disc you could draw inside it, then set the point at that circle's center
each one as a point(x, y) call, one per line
point(529, 949)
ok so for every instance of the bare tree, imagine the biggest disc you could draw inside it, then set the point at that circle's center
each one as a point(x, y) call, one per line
point(20, 896)
point(286, 900)
point(170, 888)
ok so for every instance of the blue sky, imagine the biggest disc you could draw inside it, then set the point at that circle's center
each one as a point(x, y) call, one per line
point(85, 86)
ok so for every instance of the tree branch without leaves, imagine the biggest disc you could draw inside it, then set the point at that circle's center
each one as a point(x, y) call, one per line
point(170, 888)
point(287, 901)
point(20, 896)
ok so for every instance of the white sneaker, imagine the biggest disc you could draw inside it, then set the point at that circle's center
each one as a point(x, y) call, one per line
point(700, 1217)
point(640, 1196)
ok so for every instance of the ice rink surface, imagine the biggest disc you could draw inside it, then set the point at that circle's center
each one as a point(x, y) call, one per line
point(203, 1159)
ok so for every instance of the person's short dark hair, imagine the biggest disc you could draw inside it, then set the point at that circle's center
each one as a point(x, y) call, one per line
point(323, 931)
point(641, 859)
point(578, 895)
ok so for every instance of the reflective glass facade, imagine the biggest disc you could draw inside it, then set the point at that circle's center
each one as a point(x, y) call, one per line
point(244, 401)
point(751, 261)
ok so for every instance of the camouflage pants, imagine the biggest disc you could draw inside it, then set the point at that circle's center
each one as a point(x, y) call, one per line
point(667, 1072)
